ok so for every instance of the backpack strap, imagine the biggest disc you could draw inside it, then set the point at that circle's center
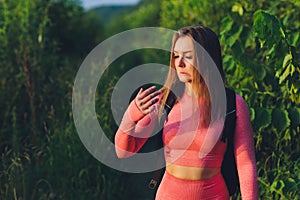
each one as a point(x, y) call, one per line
point(228, 169)
point(168, 107)
point(230, 118)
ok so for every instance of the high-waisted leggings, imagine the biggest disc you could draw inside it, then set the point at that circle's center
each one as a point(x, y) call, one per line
point(173, 188)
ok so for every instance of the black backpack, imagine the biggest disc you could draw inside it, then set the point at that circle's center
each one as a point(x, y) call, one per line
point(144, 185)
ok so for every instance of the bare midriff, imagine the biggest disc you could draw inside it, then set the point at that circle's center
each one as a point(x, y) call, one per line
point(191, 173)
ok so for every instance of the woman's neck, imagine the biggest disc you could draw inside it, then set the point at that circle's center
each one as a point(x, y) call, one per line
point(189, 89)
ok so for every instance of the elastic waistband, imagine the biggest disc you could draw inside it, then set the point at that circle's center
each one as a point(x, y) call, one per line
point(203, 181)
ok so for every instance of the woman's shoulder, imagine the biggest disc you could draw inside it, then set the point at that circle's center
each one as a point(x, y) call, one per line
point(241, 104)
point(239, 98)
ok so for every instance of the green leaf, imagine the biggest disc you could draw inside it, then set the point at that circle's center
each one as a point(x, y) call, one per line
point(252, 114)
point(238, 8)
point(277, 186)
point(227, 58)
point(259, 71)
point(229, 63)
point(267, 27)
point(227, 23)
point(247, 82)
point(293, 69)
point(286, 69)
point(252, 99)
point(237, 50)
point(233, 38)
point(262, 118)
point(285, 63)
point(294, 115)
point(287, 135)
point(280, 119)
point(290, 185)
point(285, 74)
point(82, 173)
point(294, 39)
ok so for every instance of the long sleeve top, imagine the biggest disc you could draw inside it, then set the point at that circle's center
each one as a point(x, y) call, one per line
point(187, 143)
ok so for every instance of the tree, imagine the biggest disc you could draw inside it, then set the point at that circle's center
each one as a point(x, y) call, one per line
point(36, 73)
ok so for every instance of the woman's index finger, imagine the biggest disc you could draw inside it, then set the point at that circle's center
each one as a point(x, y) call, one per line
point(146, 92)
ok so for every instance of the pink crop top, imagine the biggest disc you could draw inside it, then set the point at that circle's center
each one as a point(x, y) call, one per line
point(187, 144)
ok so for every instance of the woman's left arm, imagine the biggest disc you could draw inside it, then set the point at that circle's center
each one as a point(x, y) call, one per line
point(245, 152)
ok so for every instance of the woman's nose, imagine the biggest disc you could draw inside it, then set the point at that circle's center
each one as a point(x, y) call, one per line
point(181, 62)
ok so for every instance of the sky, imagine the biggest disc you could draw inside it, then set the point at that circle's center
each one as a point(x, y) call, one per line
point(87, 4)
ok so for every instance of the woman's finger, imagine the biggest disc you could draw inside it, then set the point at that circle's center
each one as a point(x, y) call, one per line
point(149, 97)
point(150, 102)
point(146, 99)
point(143, 93)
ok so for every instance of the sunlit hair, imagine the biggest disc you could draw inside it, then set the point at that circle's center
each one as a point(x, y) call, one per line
point(210, 42)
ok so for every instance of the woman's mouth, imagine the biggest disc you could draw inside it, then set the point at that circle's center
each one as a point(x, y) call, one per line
point(184, 73)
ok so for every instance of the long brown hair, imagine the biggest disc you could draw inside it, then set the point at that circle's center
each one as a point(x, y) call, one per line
point(208, 40)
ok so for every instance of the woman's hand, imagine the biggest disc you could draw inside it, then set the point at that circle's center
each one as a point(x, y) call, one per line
point(146, 98)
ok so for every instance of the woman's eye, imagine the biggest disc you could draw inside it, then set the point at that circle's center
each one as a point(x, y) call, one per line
point(185, 57)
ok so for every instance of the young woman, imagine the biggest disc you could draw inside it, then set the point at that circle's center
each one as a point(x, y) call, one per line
point(192, 141)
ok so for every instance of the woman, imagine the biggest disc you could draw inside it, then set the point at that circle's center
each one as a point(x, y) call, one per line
point(192, 142)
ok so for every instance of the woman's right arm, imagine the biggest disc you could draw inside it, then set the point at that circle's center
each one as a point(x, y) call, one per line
point(138, 123)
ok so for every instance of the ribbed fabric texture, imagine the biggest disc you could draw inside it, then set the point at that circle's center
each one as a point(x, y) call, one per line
point(173, 188)
point(244, 151)
point(187, 144)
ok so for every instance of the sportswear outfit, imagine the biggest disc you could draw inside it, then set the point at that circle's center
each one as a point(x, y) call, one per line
point(188, 143)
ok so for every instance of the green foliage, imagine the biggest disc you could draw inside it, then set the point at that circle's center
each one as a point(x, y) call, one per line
point(42, 44)
point(145, 15)
point(268, 28)
point(259, 42)
point(262, 118)
point(75, 31)
point(36, 78)
point(108, 13)
point(179, 13)
point(294, 114)
point(280, 119)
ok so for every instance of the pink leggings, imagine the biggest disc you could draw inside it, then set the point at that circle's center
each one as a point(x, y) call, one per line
point(173, 188)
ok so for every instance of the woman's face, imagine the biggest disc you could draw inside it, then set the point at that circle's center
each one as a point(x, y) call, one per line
point(184, 58)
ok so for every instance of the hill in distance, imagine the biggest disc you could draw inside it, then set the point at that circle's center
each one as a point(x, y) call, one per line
point(108, 13)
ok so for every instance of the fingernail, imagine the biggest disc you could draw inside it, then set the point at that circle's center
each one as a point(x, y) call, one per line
point(154, 100)
point(152, 109)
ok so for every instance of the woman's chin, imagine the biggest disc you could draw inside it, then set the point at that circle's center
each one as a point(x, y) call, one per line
point(185, 80)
